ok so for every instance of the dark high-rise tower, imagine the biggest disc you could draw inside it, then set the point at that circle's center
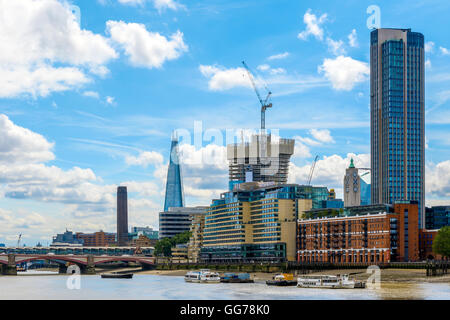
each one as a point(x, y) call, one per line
point(397, 126)
point(174, 187)
point(122, 216)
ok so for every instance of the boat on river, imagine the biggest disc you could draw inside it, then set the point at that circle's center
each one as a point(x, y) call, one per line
point(329, 282)
point(117, 275)
point(202, 276)
point(236, 278)
point(282, 280)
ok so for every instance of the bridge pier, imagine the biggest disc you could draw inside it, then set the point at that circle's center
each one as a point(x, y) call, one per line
point(146, 266)
point(10, 269)
point(62, 269)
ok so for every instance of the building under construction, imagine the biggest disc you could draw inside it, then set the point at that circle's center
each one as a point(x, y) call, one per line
point(260, 160)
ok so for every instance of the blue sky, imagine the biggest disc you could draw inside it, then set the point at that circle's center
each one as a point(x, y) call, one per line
point(84, 108)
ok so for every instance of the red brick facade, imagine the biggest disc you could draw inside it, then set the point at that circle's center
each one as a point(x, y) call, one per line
point(374, 238)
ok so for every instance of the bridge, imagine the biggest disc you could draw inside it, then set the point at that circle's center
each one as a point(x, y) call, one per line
point(86, 263)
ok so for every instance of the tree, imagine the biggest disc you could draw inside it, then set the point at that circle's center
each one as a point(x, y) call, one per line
point(441, 244)
point(164, 246)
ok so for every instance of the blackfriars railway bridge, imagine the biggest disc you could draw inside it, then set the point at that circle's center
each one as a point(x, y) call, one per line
point(84, 257)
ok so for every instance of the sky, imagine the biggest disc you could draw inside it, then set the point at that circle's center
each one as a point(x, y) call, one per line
point(92, 90)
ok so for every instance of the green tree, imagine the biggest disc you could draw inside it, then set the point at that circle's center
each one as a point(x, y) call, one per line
point(441, 244)
point(164, 246)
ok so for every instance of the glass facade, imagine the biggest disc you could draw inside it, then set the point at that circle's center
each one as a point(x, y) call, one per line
point(365, 193)
point(397, 117)
point(437, 217)
point(174, 187)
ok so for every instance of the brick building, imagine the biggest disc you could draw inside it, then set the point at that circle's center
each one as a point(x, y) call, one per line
point(97, 239)
point(368, 234)
point(426, 239)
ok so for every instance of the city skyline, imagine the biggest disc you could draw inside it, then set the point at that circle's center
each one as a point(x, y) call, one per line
point(104, 118)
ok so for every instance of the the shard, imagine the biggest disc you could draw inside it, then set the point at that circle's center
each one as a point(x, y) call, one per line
point(174, 186)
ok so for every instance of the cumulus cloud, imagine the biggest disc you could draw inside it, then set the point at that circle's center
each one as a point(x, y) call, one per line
point(335, 47)
point(145, 158)
point(21, 145)
point(313, 26)
point(144, 48)
point(45, 50)
point(344, 72)
point(224, 79)
point(437, 179)
point(322, 135)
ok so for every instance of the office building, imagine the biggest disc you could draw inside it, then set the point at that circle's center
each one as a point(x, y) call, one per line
point(174, 186)
point(262, 159)
point(176, 220)
point(122, 216)
point(196, 240)
point(368, 234)
point(146, 231)
point(66, 238)
point(179, 253)
point(254, 222)
point(437, 217)
point(397, 81)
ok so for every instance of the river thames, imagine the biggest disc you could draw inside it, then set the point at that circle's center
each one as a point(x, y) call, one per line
point(156, 287)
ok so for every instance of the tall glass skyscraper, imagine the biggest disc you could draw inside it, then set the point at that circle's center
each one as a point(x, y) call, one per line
point(174, 187)
point(397, 78)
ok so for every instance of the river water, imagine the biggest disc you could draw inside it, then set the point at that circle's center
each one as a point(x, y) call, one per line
point(172, 287)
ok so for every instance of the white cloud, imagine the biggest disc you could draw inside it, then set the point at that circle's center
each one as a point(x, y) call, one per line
point(279, 56)
point(322, 135)
point(21, 145)
point(145, 159)
point(429, 46)
point(444, 51)
point(312, 26)
point(428, 64)
point(91, 94)
point(437, 179)
point(223, 79)
point(38, 80)
point(344, 72)
point(160, 5)
point(301, 150)
point(110, 100)
point(335, 47)
point(263, 67)
point(145, 48)
point(353, 39)
point(37, 36)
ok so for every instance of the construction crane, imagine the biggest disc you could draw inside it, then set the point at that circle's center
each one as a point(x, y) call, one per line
point(18, 240)
point(264, 103)
point(312, 170)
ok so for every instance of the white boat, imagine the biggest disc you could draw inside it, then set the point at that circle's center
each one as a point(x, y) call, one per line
point(202, 276)
point(328, 282)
